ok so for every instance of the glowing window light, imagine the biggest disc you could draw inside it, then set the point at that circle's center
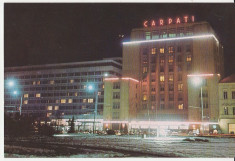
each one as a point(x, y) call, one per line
point(173, 39)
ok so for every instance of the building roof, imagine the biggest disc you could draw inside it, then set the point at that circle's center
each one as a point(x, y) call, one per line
point(106, 62)
point(229, 79)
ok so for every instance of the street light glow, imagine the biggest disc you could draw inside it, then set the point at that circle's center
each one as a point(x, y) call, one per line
point(90, 87)
point(11, 83)
point(197, 81)
point(15, 92)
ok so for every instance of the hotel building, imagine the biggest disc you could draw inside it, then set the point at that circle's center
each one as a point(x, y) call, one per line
point(59, 91)
point(162, 58)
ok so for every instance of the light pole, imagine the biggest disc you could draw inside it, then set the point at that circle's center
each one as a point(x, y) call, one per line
point(21, 99)
point(91, 88)
point(197, 81)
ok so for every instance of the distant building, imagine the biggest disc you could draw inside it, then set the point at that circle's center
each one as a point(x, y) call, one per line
point(227, 105)
point(59, 91)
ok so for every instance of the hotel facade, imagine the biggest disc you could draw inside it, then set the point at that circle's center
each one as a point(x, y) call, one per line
point(164, 60)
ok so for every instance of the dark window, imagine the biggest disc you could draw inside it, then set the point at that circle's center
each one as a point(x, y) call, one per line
point(116, 95)
point(116, 85)
point(179, 49)
point(171, 97)
point(162, 87)
point(225, 95)
point(179, 58)
point(233, 94)
point(188, 48)
point(171, 69)
point(161, 68)
point(179, 77)
point(233, 110)
point(171, 87)
point(116, 105)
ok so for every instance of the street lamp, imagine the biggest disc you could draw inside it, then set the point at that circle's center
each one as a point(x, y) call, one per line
point(11, 84)
point(197, 81)
point(91, 88)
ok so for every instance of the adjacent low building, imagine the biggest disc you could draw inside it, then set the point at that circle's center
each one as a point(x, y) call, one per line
point(227, 105)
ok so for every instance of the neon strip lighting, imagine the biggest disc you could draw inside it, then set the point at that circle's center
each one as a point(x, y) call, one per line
point(169, 123)
point(200, 75)
point(110, 122)
point(173, 39)
point(130, 79)
point(124, 78)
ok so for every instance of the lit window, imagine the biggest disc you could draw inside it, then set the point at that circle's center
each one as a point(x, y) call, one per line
point(180, 106)
point(49, 114)
point(38, 95)
point(63, 101)
point(99, 93)
point(56, 108)
point(38, 82)
point(90, 100)
point(84, 87)
point(171, 49)
point(225, 94)
point(52, 81)
point(226, 110)
point(153, 51)
point(170, 77)
point(49, 107)
point(180, 87)
point(34, 82)
point(162, 78)
point(147, 35)
point(70, 100)
point(84, 100)
point(145, 69)
point(144, 97)
point(26, 95)
point(162, 50)
point(76, 94)
point(170, 59)
point(172, 35)
point(25, 102)
point(71, 81)
point(103, 86)
point(189, 58)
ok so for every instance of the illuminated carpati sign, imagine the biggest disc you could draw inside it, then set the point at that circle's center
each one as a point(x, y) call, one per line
point(161, 22)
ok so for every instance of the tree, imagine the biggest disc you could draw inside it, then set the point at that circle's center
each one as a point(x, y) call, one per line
point(72, 129)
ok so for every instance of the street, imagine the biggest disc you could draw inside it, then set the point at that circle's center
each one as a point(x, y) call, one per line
point(103, 146)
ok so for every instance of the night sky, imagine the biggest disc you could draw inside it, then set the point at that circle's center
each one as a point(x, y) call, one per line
point(58, 33)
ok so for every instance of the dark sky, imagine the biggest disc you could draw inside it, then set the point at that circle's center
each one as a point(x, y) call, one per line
point(55, 33)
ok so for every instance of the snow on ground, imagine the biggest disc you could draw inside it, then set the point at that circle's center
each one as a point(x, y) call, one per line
point(162, 146)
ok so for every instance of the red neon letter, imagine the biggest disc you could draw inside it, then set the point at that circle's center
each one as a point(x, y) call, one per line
point(178, 20)
point(185, 19)
point(161, 22)
point(145, 24)
point(169, 21)
point(192, 18)
point(153, 23)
